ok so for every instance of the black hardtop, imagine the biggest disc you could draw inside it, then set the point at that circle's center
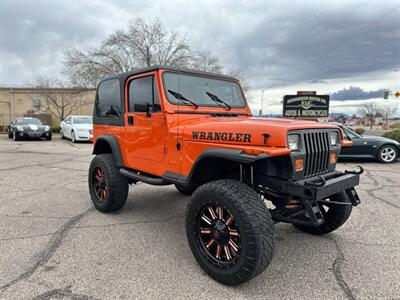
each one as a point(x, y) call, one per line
point(123, 76)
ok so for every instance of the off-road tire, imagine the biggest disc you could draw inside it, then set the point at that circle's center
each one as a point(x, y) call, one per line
point(393, 148)
point(117, 185)
point(186, 190)
point(254, 225)
point(335, 217)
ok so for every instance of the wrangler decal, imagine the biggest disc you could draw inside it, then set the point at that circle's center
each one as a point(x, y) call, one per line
point(222, 136)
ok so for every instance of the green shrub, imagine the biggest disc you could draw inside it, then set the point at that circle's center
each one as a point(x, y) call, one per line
point(360, 131)
point(394, 135)
point(55, 129)
point(395, 126)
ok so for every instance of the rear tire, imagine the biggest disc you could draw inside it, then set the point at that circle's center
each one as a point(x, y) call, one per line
point(115, 192)
point(388, 154)
point(186, 190)
point(251, 229)
point(335, 216)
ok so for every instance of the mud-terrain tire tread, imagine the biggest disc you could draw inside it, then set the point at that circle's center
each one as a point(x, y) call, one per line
point(185, 190)
point(257, 223)
point(336, 218)
point(118, 185)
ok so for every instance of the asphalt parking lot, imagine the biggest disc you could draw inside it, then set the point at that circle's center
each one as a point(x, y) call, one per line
point(54, 245)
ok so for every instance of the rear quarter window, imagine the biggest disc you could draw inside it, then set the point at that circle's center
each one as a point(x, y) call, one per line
point(108, 104)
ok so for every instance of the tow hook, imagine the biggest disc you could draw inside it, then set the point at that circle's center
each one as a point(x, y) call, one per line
point(356, 172)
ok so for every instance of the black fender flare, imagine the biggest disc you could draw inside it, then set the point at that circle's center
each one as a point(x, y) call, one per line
point(109, 144)
point(238, 156)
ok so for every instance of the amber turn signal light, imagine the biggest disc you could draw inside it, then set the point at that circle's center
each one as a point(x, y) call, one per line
point(332, 158)
point(299, 164)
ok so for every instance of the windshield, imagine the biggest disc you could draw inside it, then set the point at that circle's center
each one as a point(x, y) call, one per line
point(198, 89)
point(82, 120)
point(351, 134)
point(28, 121)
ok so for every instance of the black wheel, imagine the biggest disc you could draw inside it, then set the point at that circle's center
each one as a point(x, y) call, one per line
point(62, 134)
point(186, 190)
point(15, 136)
point(48, 138)
point(388, 154)
point(108, 189)
point(334, 215)
point(230, 231)
point(73, 137)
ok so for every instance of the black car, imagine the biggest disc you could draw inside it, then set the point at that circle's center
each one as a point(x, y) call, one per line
point(31, 128)
point(364, 146)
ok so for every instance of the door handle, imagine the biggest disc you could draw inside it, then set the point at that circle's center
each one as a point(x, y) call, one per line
point(130, 120)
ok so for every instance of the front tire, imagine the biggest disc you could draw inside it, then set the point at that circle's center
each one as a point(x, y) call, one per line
point(73, 137)
point(108, 189)
point(387, 154)
point(185, 190)
point(334, 215)
point(62, 135)
point(230, 231)
point(15, 136)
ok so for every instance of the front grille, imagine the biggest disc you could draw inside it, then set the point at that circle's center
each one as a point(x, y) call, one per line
point(316, 145)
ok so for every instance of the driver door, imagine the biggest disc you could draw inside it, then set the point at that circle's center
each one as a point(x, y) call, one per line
point(144, 122)
point(360, 146)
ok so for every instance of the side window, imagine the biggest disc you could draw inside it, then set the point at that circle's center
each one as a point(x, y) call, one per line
point(68, 120)
point(108, 104)
point(141, 92)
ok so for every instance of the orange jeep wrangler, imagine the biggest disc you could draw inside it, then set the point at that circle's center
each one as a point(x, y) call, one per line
point(164, 125)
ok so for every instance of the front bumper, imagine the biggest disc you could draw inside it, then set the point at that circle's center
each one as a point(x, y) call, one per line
point(323, 186)
point(33, 134)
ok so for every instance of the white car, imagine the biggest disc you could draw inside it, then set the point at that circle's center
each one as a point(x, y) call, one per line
point(77, 128)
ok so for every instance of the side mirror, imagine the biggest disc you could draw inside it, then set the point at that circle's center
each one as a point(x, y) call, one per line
point(44, 123)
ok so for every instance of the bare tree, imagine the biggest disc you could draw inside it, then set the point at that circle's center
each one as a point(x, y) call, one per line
point(60, 98)
point(388, 111)
point(140, 45)
point(205, 61)
point(370, 111)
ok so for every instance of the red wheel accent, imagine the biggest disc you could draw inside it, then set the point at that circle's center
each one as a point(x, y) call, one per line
point(100, 183)
point(219, 233)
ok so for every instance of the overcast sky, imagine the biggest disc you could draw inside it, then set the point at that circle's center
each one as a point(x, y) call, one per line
point(290, 45)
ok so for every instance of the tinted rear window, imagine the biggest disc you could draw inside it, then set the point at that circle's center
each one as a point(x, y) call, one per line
point(108, 104)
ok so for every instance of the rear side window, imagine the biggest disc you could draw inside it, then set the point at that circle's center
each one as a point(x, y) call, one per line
point(142, 91)
point(108, 104)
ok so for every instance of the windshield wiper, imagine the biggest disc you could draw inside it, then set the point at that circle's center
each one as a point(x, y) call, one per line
point(182, 98)
point(216, 99)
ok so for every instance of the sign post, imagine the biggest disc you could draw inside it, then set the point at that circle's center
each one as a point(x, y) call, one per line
point(306, 105)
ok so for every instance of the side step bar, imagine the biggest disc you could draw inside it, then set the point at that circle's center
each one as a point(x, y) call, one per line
point(139, 177)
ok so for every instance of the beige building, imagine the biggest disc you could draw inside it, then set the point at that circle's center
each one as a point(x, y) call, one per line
point(17, 102)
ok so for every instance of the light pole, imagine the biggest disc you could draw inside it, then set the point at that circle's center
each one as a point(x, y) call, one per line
point(262, 95)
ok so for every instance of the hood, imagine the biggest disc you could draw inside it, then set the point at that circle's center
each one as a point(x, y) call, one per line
point(379, 138)
point(245, 130)
point(83, 126)
point(33, 127)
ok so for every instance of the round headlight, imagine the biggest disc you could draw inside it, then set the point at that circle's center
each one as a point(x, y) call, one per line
point(293, 141)
point(334, 138)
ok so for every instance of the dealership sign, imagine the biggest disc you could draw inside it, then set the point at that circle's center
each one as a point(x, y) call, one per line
point(309, 106)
